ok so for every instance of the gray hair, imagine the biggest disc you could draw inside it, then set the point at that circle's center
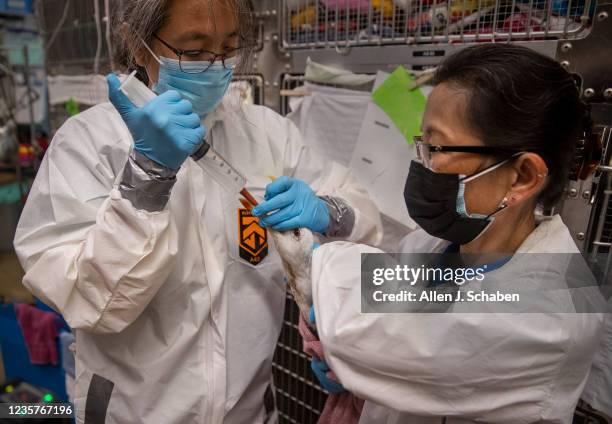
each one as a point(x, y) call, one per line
point(144, 18)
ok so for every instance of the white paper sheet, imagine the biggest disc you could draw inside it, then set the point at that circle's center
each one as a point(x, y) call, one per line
point(329, 119)
point(381, 160)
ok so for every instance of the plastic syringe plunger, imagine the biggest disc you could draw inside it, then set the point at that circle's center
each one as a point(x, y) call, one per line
point(138, 93)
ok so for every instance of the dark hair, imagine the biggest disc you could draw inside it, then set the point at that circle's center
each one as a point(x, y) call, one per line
point(522, 100)
point(144, 18)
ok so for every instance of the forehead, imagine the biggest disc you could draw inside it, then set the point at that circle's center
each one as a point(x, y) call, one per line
point(205, 16)
point(445, 116)
point(448, 102)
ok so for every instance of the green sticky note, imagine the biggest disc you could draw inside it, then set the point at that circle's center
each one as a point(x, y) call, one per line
point(72, 107)
point(405, 107)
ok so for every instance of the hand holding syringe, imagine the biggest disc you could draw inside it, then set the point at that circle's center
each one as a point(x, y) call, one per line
point(213, 163)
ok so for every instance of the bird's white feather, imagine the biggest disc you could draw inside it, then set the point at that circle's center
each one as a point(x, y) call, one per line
point(295, 250)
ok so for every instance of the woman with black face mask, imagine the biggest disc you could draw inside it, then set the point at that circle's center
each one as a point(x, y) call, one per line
point(499, 134)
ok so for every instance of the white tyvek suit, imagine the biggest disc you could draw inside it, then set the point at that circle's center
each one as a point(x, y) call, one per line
point(172, 325)
point(454, 368)
point(598, 390)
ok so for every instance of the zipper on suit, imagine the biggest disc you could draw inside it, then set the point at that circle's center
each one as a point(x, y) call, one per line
point(209, 400)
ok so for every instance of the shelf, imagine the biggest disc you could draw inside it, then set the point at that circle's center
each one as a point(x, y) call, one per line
point(7, 178)
point(12, 15)
point(13, 167)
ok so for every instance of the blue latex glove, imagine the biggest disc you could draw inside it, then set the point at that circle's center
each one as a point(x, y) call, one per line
point(320, 368)
point(165, 130)
point(296, 206)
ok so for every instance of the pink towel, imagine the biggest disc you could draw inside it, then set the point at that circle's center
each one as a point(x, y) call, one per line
point(39, 329)
point(344, 408)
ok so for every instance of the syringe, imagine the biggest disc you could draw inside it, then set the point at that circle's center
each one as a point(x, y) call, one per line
point(214, 164)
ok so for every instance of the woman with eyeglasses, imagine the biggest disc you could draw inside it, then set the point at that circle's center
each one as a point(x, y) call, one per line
point(499, 132)
point(170, 283)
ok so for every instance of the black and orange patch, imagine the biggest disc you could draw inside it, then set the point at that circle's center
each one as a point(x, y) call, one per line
point(252, 238)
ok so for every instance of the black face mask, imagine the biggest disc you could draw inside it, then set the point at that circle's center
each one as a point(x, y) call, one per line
point(431, 199)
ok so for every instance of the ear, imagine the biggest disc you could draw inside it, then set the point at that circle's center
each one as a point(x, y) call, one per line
point(139, 53)
point(140, 57)
point(530, 176)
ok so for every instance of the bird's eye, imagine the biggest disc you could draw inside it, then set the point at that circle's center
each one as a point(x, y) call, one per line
point(296, 232)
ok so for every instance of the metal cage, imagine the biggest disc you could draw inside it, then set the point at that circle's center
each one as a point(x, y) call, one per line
point(72, 37)
point(346, 23)
point(599, 246)
point(299, 398)
point(76, 41)
point(584, 414)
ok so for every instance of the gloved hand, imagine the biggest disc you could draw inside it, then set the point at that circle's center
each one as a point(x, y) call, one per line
point(165, 130)
point(296, 206)
point(311, 315)
point(320, 368)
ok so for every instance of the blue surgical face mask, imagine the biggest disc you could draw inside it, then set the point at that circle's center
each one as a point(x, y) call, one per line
point(204, 90)
point(463, 180)
point(461, 207)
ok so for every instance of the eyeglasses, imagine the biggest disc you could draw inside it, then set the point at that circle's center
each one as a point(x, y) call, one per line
point(188, 59)
point(425, 151)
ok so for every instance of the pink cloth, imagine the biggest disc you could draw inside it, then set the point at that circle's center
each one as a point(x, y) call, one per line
point(344, 408)
point(40, 330)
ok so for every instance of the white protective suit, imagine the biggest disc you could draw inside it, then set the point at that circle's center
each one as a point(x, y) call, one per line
point(455, 367)
point(173, 327)
point(598, 390)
